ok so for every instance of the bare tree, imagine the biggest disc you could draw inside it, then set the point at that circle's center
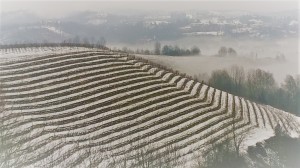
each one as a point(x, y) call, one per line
point(237, 74)
point(260, 84)
point(231, 52)
point(237, 139)
point(157, 48)
point(223, 51)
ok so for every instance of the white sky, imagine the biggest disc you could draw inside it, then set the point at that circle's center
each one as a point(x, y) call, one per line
point(52, 8)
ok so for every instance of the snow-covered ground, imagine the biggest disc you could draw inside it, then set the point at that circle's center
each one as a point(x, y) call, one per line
point(120, 106)
point(23, 53)
point(256, 135)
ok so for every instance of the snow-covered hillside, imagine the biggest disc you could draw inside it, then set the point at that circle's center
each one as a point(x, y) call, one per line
point(11, 54)
point(78, 107)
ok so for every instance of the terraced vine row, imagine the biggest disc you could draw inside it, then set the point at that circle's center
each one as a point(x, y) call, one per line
point(100, 108)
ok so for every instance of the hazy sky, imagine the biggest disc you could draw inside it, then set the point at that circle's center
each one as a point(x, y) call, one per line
point(51, 8)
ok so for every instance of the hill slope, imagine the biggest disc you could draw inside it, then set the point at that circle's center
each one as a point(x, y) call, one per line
point(95, 107)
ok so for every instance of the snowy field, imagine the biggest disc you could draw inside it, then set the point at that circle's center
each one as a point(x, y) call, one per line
point(85, 107)
point(24, 53)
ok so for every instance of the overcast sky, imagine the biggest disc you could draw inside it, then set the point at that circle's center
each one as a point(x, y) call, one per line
point(51, 8)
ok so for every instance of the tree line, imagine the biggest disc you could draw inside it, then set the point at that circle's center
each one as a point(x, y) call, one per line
point(170, 50)
point(174, 50)
point(224, 51)
point(259, 86)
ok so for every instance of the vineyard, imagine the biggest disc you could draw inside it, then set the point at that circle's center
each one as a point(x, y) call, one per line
point(100, 108)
